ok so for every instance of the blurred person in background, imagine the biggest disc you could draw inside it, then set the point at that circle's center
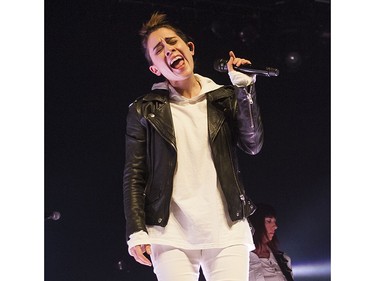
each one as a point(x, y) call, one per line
point(267, 262)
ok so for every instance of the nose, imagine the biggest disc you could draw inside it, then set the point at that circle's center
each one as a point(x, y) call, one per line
point(168, 50)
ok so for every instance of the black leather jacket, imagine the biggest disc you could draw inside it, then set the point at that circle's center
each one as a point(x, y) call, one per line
point(151, 153)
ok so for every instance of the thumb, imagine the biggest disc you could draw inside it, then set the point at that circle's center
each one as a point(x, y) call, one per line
point(230, 61)
point(232, 55)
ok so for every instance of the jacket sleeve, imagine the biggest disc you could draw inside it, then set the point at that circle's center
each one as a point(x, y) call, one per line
point(249, 123)
point(255, 268)
point(135, 172)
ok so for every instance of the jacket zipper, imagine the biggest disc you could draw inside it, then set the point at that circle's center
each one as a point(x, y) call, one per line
point(250, 99)
point(242, 196)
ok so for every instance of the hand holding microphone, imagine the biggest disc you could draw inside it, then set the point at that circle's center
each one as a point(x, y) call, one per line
point(234, 62)
point(242, 65)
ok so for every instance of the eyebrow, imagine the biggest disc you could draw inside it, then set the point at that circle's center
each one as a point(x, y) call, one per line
point(166, 39)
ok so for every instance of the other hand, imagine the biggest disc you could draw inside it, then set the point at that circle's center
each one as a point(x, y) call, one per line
point(138, 254)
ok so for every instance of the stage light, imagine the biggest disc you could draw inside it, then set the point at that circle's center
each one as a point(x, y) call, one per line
point(295, 48)
point(314, 269)
point(293, 60)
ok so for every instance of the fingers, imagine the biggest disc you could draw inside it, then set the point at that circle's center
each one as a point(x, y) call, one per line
point(230, 61)
point(233, 61)
point(137, 253)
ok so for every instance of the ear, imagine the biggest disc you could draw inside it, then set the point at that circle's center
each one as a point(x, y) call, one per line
point(154, 70)
point(191, 47)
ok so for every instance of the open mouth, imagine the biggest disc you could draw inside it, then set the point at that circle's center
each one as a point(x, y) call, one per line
point(177, 62)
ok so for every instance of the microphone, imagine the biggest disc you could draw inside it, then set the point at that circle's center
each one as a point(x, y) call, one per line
point(54, 216)
point(221, 66)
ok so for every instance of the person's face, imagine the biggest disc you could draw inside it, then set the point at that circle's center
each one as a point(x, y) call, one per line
point(271, 226)
point(170, 55)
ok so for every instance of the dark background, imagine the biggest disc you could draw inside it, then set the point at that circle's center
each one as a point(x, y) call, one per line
point(94, 69)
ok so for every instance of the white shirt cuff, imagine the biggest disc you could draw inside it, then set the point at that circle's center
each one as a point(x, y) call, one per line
point(138, 238)
point(240, 79)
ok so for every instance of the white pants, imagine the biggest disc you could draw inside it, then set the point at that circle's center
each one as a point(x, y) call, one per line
point(224, 264)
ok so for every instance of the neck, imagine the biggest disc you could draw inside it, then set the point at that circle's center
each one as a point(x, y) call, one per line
point(262, 251)
point(188, 88)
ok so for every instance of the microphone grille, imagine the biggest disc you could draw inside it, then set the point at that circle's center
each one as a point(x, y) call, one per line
point(220, 65)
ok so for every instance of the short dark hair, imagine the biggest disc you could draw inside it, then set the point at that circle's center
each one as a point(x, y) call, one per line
point(157, 20)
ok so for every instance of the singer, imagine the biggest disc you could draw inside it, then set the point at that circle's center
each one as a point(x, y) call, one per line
point(185, 204)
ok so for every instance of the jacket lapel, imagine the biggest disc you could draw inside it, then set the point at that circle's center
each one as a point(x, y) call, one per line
point(161, 116)
point(215, 115)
